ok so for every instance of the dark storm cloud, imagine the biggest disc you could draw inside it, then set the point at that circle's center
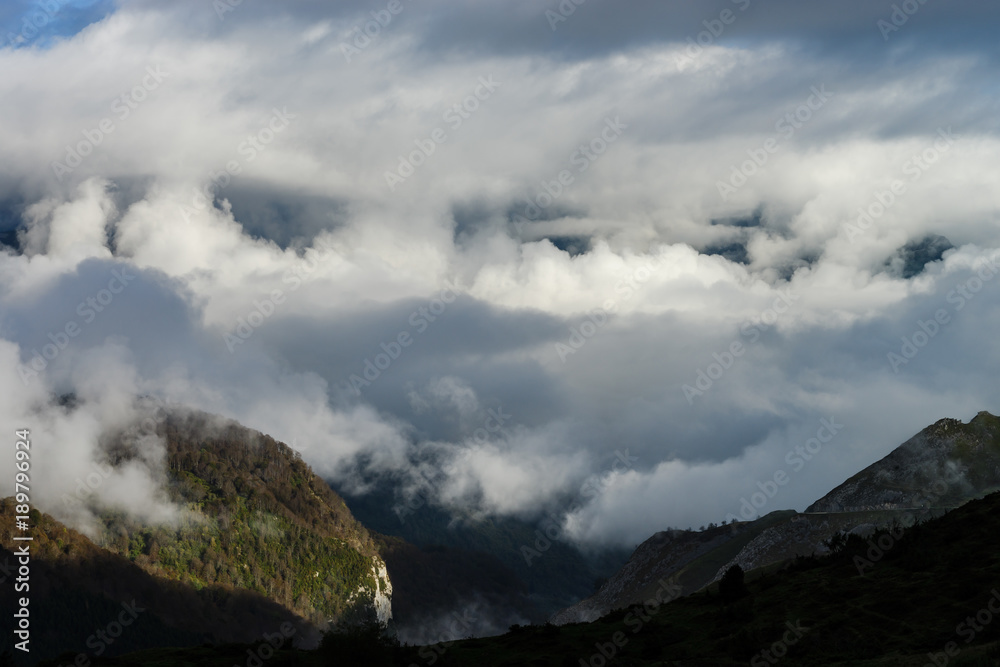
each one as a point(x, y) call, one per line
point(595, 28)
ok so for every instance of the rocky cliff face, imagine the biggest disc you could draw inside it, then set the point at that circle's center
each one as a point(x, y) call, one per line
point(383, 596)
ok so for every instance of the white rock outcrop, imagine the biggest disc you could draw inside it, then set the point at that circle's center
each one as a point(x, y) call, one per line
point(383, 596)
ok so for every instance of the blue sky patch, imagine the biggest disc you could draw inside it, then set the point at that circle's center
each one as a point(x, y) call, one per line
point(40, 23)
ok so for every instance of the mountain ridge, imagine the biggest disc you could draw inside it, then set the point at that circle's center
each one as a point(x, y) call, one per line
point(940, 468)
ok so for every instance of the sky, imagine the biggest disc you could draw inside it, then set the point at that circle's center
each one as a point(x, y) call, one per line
point(627, 263)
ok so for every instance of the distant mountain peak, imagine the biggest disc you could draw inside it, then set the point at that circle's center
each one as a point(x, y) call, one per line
point(945, 465)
